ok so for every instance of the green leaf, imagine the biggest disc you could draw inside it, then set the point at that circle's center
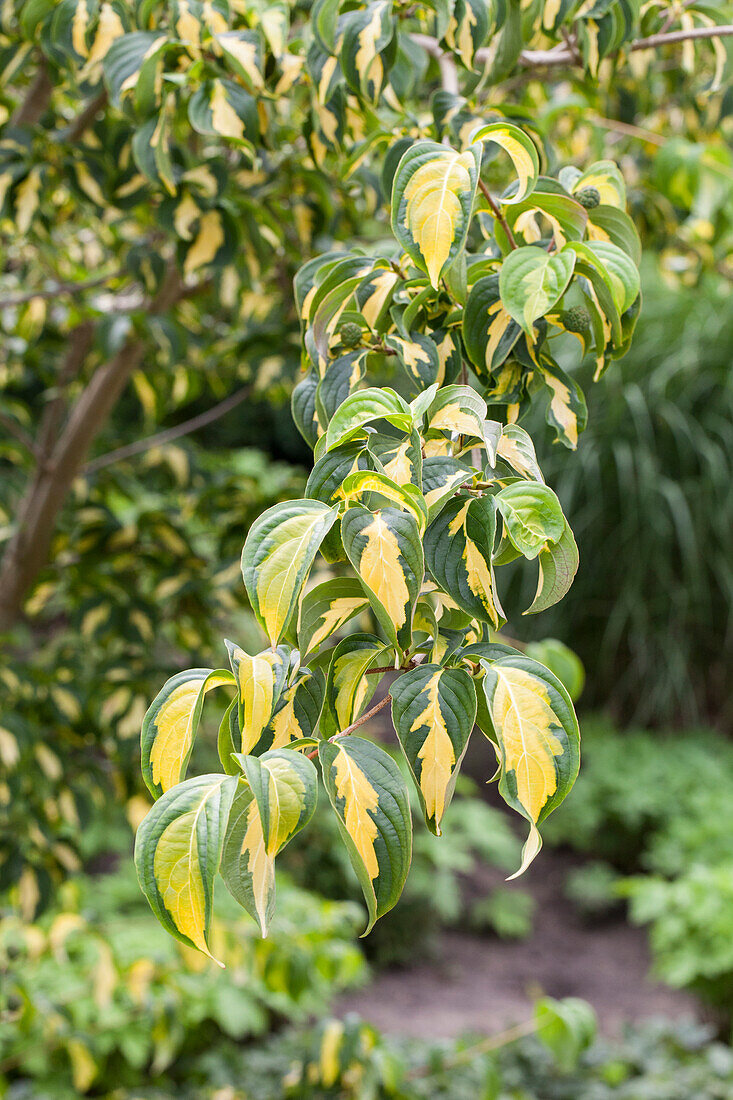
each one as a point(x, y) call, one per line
point(177, 854)
point(532, 515)
point(407, 496)
point(441, 476)
point(303, 407)
point(562, 661)
point(567, 1028)
point(432, 200)
point(558, 563)
point(348, 688)
point(170, 725)
point(277, 555)
point(326, 608)
point(364, 407)
point(517, 449)
point(372, 805)
point(342, 376)
point(459, 546)
point(532, 281)
point(434, 710)
point(385, 549)
point(607, 223)
point(131, 66)
point(536, 731)
point(522, 151)
point(489, 332)
point(223, 108)
point(261, 680)
point(280, 801)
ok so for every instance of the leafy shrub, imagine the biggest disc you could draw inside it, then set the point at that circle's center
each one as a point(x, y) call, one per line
point(649, 501)
point(93, 998)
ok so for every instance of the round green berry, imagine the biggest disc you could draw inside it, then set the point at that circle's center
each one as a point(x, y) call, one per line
point(575, 319)
point(350, 334)
point(589, 197)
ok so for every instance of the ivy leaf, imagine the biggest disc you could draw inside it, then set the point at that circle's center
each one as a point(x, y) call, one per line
point(372, 805)
point(170, 725)
point(536, 731)
point(432, 200)
point(177, 854)
point(532, 281)
point(434, 710)
point(278, 553)
point(385, 549)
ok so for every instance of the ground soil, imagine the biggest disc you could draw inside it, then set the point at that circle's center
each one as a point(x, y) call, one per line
point(483, 984)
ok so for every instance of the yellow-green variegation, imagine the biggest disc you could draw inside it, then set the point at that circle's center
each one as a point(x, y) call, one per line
point(432, 200)
point(372, 805)
point(459, 546)
point(534, 726)
point(433, 710)
point(170, 725)
point(274, 801)
point(178, 851)
point(278, 553)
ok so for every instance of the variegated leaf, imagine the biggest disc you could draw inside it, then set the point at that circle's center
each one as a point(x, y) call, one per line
point(326, 608)
point(432, 200)
point(261, 680)
point(279, 801)
point(532, 281)
point(348, 687)
point(558, 562)
point(489, 333)
point(535, 728)
point(434, 710)
point(532, 515)
point(277, 556)
point(372, 805)
point(178, 851)
point(459, 545)
point(364, 407)
point(385, 549)
point(521, 150)
point(170, 725)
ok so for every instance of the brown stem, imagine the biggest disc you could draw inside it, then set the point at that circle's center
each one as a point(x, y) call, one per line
point(12, 426)
point(27, 551)
point(496, 211)
point(359, 722)
point(55, 291)
point(167, 436)
point(36, 99)
point(484, 1046)
point(87, 117)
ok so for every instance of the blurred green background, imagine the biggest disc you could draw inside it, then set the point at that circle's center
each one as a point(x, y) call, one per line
point(143, 579)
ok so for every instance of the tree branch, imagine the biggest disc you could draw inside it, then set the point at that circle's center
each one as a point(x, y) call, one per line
point(27, 551)
point(563, 55)
point(496, 211)
point(167, 436)
point(87, 117)
point(15, 429)
point(36, 99)
point(56, 291)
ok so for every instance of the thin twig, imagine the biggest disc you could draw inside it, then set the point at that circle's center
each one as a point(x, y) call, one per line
point(561, 55)
point(86, 118)
point(359, 722)
point(484, 1046)
point(169, 434)
point(495, 210)
point(56, 291)
point(15, 429)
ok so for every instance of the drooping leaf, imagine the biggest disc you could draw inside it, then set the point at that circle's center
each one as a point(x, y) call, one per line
point(277, 555)
point(558, 562)
point(432, 200)
point(367, 791)
point(536, 731)
point(489, 332)
point(434, 710)
point(522, 151)
point(532, 515)
point(326, 608)
point(297, 714)
point(365, 483)
point(348, 685)
point(277, 804)
point(170, 725)
point(517, 449)
point(459, 546)
point(385, 549)
point(532, 281)
point(261, 680)
point(178, 851)
point(367, 34)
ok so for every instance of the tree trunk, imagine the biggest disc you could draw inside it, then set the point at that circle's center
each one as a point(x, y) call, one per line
point(59, 461)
